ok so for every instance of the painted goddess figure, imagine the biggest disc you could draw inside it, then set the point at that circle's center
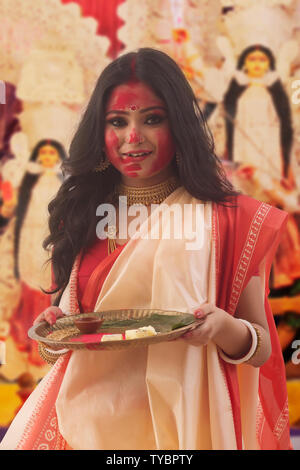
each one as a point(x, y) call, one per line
point(24, 271)
point(258, 125)
point(259, 138)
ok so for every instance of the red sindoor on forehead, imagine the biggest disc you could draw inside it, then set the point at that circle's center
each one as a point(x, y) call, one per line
point(123, 99)
point(133, 77)
point(129, 96)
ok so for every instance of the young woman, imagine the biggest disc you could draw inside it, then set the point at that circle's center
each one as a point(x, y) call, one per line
point(222, 386)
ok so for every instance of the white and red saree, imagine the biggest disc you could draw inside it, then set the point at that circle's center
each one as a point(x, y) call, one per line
point(169, 395)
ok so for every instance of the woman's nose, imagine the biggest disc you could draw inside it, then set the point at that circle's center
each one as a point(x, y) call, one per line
point(134, 137)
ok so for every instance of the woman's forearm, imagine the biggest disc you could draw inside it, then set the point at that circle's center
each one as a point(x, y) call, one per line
point(235, 340)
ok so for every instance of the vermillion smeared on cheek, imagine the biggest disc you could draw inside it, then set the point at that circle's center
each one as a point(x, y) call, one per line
point(138, 138)
point(165, 150)
point(112, 145)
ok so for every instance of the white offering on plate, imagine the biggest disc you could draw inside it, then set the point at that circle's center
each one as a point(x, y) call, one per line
point(112, 337)
point(142, 332)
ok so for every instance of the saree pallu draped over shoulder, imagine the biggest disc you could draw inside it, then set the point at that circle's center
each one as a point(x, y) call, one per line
point(169, 395)
point(248, 238)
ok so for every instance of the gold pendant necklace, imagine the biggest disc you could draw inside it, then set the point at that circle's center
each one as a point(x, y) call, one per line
point(155, 194)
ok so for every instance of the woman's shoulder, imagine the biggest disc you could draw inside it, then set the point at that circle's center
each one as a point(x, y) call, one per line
point(248, 209)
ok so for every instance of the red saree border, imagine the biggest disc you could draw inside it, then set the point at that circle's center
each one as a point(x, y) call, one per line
point(280, 427)
point(246, 255)
point(73, 303)
point(216, 241)
point(260, 421)
point(49, 438)
point(282, 421)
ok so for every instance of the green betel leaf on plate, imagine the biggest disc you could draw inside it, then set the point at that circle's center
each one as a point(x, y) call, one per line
point(161, 323)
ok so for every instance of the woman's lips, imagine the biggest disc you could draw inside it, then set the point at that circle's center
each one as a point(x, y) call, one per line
point(128, 159)
point(133, 167)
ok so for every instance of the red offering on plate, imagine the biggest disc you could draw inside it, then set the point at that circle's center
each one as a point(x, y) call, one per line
point(88, 324)
point(91, 339)
point(95, 338)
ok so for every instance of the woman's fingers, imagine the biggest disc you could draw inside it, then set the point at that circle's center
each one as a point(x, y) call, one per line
point(50, 315)
point(193, 336)
point(204, 310)
point(194, 329)
point(39, 318)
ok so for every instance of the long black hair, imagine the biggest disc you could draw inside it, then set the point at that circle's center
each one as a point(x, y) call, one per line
point(73, 220)
point(27, 184)
point(280, 101)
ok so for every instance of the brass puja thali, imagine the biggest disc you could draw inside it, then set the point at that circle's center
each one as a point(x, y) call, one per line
point(135, 327)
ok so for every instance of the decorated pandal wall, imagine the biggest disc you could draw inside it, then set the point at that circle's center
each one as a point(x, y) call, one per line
point(241, 57)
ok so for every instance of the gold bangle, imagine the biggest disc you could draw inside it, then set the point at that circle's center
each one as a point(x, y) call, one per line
point(46, 355)
point(258, 343)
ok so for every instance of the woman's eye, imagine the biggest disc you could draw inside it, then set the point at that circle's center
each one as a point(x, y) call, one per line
point(154, 119)
point(117, 122)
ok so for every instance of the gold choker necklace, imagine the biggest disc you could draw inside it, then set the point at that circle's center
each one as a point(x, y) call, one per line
point(155, 194)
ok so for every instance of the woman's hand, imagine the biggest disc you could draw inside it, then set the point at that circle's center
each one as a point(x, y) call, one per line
point(211, 320)
point(50, 315)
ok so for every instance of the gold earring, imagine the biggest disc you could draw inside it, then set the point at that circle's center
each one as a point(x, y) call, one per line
point(177, 156)
point(102, 165)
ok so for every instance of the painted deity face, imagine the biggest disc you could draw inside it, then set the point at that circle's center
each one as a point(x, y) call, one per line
point(48, 156)
point(138, 139)
point(257, 63)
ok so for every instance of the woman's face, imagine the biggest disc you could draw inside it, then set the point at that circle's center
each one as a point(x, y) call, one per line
point(257, 63)
point(138, 138)
point(48, 156)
